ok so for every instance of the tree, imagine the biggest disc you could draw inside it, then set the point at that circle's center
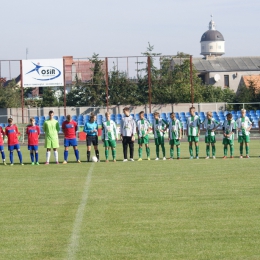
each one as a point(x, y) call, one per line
point(48, 97)
point(10, 95)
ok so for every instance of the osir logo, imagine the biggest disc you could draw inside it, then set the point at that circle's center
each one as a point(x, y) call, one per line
point(44, 73)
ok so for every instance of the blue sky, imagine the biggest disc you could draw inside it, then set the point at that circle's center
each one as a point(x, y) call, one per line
point(52, 28)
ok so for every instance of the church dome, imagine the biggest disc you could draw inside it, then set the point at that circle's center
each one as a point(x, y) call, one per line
point(212, 35)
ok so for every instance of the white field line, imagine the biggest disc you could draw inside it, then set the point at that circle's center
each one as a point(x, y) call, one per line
point(75, 235)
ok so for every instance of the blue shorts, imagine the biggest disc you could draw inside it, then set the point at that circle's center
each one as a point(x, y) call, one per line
point(70, 142)
point(1, 147)
point(13, 147)
point(33, 147)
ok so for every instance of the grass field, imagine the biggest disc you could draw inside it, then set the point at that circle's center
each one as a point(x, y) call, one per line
point(187, 209)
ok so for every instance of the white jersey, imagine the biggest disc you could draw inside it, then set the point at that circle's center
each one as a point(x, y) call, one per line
point(127, 126)
point(158, 126)
point(243, 124)
point(228, 127)
point(174, 129)
point(209, 125)
point(109, 131)
point(143, 126)
point(193, 125)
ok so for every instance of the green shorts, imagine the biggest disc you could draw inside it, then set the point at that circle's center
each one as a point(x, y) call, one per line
point(244, 139)
point(210, 139)
point(51, 143)
point(175, 142)
point(143, 140)
point(110, 143)
point(226, 141)
point(193, 138)
point(159, 140)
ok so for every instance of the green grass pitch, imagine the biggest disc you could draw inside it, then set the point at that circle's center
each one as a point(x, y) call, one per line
point(187, 209)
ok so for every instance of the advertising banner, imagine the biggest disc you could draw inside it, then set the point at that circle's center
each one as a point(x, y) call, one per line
point(43, 73)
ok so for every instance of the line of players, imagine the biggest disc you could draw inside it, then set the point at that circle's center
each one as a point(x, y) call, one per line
point(128, 129)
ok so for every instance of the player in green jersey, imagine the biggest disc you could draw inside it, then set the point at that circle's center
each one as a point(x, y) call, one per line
point(229, 129)
point(210, 126)
point(244, 126)
point(143, 129)
point(175, 134)
point(109, 136)
point(51, 128)
point(159, 128)
point(193, 132)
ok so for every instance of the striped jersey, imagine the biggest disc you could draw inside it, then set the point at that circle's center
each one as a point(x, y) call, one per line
point(143, 126)
point(243, 123)
point(109, 131)
point(193, 124)
point(174, 129)
point(210, 124)
point(228, 127)
point(127, 126)
point(159, 125)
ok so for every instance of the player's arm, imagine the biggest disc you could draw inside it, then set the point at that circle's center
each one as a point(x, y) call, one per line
point(103, 132)
point(38, 130)
point(115, 130)
point(259, 125)
point(63, 127)
point(180, 130)
point(167, 125)
point(249, 128)
point(134, 129)
point(57, 127)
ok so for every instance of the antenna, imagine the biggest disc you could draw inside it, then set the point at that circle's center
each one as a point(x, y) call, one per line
point(26, 53)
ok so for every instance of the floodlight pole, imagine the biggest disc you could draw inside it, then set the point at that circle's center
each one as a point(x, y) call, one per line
point(149, 82)
point(64, 78)
point(106, 63)
point(191, 82)
point(22, 99)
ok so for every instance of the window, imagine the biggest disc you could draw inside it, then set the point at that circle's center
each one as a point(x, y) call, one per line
point(40, 90)
point(226, 81)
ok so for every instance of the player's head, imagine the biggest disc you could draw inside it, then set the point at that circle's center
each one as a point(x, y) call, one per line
point(107, 115)
point(141, 115)
point(68, 117)
point(10, 121)
point(126, 111)
point(51, 114)
point(156, 115)
point(243, 112)
point(92, 117)
point(172, 115)
point(192, 111)
point(209, 115)
point(229, 116)
point(32, 121)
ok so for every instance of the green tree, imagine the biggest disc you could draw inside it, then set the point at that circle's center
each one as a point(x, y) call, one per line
point(10, 95)
point(48, 97)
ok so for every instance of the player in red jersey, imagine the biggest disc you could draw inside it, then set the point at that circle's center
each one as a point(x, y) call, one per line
point(12, 133)
point(69, 128)
point(33, 132)
point(2, 136)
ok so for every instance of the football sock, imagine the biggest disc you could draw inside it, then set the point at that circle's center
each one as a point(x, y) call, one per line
point(157, 151)
point(66, 154)
point(191, 150)
point(56, 156)
point(97, 154)
point(114, 154)
point(3, 155)
point(148, 151)
point(11, 155)
point(36, 157)
point(163, 150)
point(88, 155)
point(241, 149)
point(225, 150)
point(247, 150)
point(131, 145)
point(208, 150)
point(171, 152)
point(20, 156)
point(32, 157)
point(178, 151)
point(76, 152)
point(213, 150)
point(231, 150)
point(140, 152)
point(106, 154)
point(197, 150)
point(48, 155)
